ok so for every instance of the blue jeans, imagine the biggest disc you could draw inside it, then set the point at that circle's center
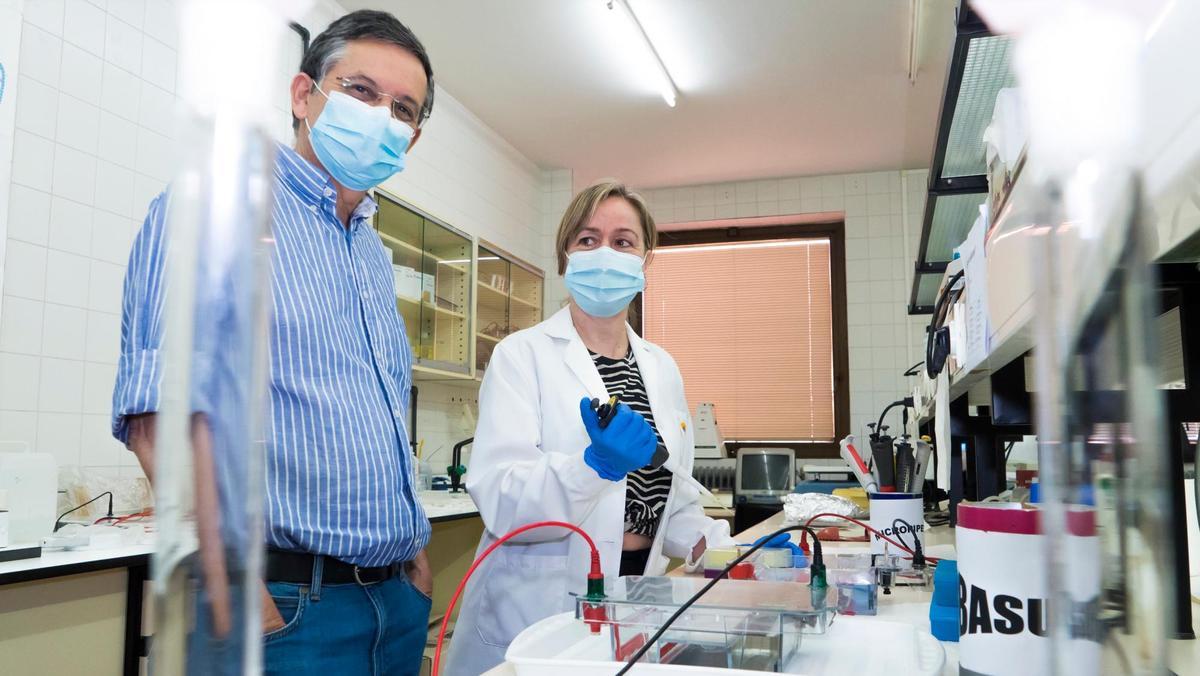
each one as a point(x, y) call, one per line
point(335, 629)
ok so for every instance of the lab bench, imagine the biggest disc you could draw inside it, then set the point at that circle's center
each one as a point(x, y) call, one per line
point(457, 528)
point(73, 612)
point(911, 605)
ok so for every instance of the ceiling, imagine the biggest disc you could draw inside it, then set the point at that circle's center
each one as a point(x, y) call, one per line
point(766, 88)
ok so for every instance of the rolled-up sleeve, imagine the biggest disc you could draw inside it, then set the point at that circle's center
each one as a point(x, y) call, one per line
point(138, 371)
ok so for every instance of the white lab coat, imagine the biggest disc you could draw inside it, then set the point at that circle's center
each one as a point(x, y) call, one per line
point(527, 465)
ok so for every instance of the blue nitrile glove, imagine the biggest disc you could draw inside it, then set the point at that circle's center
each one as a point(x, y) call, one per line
point(626, 444)
point(778, 542)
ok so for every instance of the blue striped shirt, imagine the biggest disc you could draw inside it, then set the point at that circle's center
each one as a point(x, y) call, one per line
point(338, 466)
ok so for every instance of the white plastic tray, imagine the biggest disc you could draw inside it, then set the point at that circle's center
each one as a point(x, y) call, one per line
point(560, 644)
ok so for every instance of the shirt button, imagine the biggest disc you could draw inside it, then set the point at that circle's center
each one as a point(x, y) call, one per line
point(312, 208)
point(328, 192)
point(366, 293)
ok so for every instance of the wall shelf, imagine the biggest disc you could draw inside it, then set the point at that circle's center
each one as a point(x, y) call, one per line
point(979, 69)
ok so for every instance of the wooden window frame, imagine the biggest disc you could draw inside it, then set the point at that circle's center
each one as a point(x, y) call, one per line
point(835, 232)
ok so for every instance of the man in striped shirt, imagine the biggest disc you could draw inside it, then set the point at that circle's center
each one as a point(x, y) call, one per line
point(347, 583)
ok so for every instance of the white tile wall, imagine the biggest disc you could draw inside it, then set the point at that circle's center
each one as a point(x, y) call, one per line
point(556, 196)
point(28, 215)
point(93, 147)
point(881, 242)
point(93, 108)
point(80, 75)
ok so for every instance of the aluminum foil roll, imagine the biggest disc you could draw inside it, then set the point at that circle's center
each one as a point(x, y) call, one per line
point(800, 507)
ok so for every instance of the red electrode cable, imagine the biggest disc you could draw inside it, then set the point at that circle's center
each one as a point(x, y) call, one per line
point(594, 575)
point(804, 537)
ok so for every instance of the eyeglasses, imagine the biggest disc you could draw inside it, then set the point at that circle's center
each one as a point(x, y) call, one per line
point(401, 110)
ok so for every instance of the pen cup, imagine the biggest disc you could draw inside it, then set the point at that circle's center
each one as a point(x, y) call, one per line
point(900, 517)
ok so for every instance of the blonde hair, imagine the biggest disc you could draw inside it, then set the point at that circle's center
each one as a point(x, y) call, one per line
point(583, 206)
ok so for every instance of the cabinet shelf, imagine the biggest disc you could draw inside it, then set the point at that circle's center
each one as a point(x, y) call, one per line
point(431, 306)
point(503, 284)
point(412, 248)
point(484, 286)
point(528, 304)
point(423, 373)
point(489, 290)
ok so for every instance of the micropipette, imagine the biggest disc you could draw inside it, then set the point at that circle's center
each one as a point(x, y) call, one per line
point(852, 457)
point(924, 450)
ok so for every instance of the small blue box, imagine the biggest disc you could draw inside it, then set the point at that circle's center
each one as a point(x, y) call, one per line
point(943, 607)
point(943, 623)
point(945, 584)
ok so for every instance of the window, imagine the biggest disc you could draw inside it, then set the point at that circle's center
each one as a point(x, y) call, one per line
point(752, 324)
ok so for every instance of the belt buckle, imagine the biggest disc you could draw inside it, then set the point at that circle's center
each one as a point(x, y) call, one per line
point(357, 578)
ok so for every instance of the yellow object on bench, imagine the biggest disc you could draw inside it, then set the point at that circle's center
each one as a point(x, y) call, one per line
point(856, 495)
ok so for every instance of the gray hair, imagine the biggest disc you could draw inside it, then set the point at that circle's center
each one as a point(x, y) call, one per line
point(364, 24)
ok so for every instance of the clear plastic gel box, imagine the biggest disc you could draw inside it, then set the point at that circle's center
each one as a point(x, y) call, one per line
point(738, 624)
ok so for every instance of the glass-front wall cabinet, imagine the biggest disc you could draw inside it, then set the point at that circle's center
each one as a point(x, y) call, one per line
point(509, 299)
point(431, 263)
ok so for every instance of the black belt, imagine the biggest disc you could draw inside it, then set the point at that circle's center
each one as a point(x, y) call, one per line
point(297, 567)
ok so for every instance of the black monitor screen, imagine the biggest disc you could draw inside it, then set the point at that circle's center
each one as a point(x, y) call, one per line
point(766, 472)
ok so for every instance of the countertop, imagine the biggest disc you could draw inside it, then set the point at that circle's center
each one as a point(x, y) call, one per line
point(439, 506)
point(447, 506)
point(910, 605)
point(55, 563)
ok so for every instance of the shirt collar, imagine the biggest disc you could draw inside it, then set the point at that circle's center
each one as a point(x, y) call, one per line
point(312, 185)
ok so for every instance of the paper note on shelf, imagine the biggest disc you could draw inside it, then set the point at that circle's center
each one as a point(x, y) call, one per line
point(428, 287)
point(408, 282)
point(975, 326)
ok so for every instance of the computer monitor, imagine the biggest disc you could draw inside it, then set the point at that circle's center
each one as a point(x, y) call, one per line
point(765, 471)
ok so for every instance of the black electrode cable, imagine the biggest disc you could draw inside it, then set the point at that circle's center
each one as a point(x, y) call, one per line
point(58, 523)
point(918, 556)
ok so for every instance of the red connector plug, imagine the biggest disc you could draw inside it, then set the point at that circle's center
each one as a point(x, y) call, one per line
point(595, 613)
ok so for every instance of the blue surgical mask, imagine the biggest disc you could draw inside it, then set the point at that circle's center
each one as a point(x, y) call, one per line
point(603, 281)
point(358, 144)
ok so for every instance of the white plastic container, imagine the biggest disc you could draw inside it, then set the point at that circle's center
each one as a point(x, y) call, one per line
point(31, 480)
point(1003, 589)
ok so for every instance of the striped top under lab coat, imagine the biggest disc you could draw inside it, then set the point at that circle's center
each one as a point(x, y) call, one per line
point(646, 490)
point(338, 466)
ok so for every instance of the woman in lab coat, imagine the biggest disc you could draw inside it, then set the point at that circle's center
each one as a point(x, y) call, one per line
point(539, 453)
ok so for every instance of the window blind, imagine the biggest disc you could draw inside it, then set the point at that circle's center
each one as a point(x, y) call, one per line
point(750, 325)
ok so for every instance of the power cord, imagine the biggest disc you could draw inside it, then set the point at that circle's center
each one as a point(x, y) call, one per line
point(866, 527)
point(918, 557)
point(906, 402)
point(58, 523)
point(817, 580)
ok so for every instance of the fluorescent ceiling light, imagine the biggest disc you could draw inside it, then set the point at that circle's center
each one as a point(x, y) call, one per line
point(637, 36)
